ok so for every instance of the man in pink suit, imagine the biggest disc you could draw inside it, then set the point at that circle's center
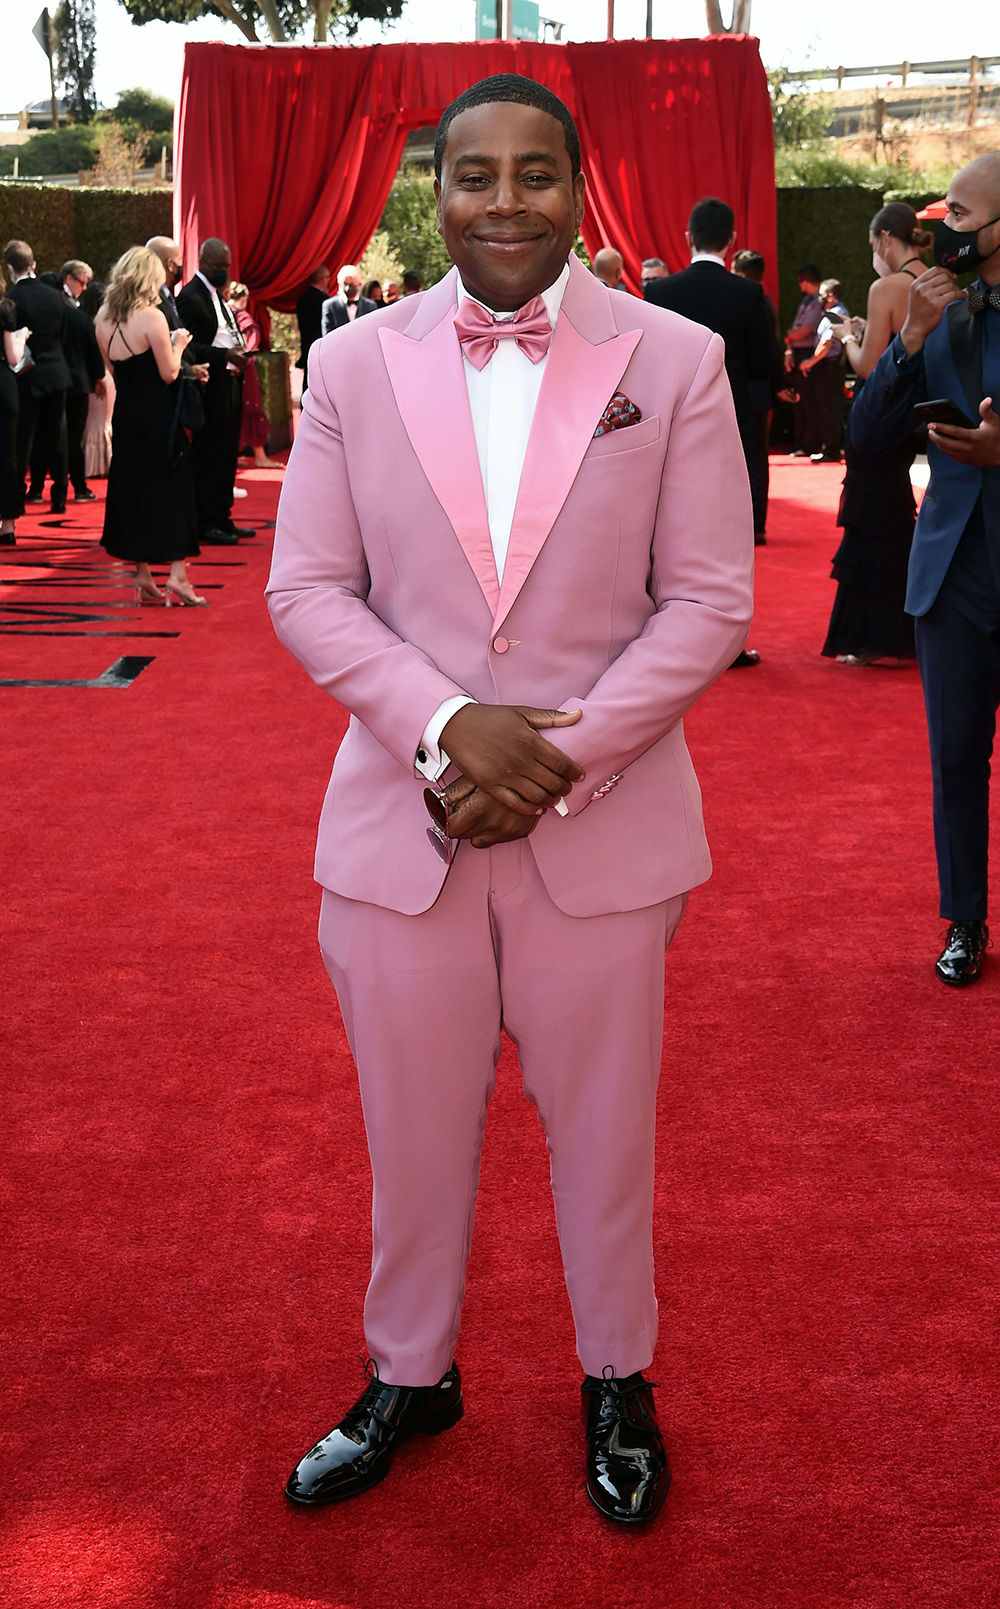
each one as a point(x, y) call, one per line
point(551, 531)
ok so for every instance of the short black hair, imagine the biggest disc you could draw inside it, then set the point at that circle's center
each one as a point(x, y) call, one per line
point(711, 225)
point(412, 281)
point(810, 272)
point(521, 91)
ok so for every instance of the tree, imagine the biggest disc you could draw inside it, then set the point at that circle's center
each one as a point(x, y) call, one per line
point(282, 19)
point(741, 17)
point(75, 43)
point(410, 222)
point(800, 119)
point(144, 109)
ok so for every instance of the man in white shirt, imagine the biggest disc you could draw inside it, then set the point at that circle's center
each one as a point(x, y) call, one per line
point(562, 540)
point(217, 342)
point(348, 304)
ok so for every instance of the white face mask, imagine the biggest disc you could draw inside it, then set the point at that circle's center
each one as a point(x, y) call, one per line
point(880, 266)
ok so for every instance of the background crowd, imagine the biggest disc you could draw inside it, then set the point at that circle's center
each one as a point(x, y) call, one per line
point(201, 403)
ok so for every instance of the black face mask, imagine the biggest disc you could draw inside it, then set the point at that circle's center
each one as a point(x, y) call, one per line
point(958, 249)
point(218, 277)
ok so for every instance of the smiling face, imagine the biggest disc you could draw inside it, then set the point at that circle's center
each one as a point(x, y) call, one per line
point(508, 204)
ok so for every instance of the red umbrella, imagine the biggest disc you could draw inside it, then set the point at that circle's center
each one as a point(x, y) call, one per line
point(937, 209)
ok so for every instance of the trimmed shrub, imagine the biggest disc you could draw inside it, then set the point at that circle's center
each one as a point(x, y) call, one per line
point(828, 228)
point(64, 150)
point(109, 221)
point(44, 216)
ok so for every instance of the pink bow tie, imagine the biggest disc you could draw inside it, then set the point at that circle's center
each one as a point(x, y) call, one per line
point(481, 334)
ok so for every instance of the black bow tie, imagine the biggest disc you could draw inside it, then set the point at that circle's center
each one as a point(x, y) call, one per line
point(979, 299)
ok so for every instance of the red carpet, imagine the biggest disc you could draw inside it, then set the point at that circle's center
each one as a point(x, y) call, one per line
point(187, 1185)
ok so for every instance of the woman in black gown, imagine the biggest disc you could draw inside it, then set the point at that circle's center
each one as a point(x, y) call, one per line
point(11, 353)
point(150, 515)
point(877, 511)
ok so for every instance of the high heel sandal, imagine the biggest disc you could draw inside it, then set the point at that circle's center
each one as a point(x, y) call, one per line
point(175, 597)
point(141, 595)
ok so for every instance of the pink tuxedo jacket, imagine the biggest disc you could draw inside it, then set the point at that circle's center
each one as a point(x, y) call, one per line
point(627, 587)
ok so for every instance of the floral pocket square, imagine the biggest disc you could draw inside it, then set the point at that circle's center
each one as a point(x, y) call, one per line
point(618, 415)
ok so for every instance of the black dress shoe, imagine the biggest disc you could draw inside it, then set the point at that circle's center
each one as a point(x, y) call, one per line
point(746, 656)
point(824, 458)
point(628, 1475)
point(57, 506)
point(218, 538)
point(760, 539)
point(242, 530)
point(85, 495)
point(358, 1452)
point(961, 960)
point(31, 496)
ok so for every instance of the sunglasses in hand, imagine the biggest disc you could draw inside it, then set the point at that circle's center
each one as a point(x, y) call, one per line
point(440, 803)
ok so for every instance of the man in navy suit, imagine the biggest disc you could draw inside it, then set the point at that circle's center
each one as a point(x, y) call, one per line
point(348, 304)
point(949, 347)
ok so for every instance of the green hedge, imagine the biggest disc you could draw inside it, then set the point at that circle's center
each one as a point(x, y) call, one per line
point(95, 224)
point(828, 228)
point(109, 221)
point(44, 216)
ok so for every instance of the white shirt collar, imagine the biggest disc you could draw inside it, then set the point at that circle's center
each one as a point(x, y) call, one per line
point(708, 257)
point(551, 297)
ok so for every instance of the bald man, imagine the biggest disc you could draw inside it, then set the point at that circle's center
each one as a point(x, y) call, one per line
point(948, 351)
point(217, 342)
point(608, 265)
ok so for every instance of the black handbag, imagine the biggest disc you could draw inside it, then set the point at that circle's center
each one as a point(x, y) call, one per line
point(189, 411)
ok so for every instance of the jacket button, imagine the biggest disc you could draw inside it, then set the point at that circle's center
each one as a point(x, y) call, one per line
point(500, 645)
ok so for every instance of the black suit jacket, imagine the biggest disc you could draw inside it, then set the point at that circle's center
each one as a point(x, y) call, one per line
point(309, 312)
point(734, 308)
point(335, 311)
point(83, 355)
point(43, 310)
point(168, 307)
point(196, 312)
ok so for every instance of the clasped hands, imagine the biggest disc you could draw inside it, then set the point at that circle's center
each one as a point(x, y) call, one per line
point(510, 774)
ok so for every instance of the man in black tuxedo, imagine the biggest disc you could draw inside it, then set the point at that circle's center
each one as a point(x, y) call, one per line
point(43, 385)
point(348, 304)
point(734, 308)
point(309, 312)
point(217, 342)
point(86, 369)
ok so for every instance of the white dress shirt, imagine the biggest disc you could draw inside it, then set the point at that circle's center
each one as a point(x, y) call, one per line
point(502, 398)
point(227, 334)
point(708, 257)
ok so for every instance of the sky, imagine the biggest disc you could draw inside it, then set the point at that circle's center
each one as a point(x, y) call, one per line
point(792, 33)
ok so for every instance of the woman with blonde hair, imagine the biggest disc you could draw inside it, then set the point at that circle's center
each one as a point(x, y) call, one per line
point(150, 515)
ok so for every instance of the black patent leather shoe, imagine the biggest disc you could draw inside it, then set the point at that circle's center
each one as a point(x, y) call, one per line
point(628, 1475)
point(243, 530)
point(358, 1452)
point(746, 656)
point(216, 538)
point(961, 960)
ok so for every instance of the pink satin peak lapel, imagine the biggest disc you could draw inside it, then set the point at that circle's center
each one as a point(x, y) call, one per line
point(578, 383)
point(428, 383)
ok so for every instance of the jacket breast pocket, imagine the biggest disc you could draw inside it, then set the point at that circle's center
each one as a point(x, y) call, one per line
point(626, 440)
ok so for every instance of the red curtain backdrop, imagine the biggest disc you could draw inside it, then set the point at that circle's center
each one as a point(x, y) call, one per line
point(288, 153)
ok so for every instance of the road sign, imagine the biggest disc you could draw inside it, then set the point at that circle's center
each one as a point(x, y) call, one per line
point(43, 32)
point(525, 19)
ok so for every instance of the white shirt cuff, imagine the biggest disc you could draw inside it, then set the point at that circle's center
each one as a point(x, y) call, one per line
point(431, 761)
